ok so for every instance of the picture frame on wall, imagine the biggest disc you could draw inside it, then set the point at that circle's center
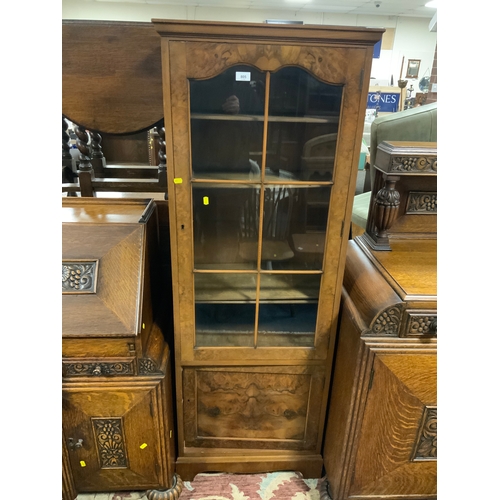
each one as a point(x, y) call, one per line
point(413, 68)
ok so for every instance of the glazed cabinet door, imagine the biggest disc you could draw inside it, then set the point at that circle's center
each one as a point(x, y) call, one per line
point(112, 438)
point(261, 184)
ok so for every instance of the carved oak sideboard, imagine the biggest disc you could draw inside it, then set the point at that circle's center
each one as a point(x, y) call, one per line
point(381, 435)
point(381, 438)
point(118, 426)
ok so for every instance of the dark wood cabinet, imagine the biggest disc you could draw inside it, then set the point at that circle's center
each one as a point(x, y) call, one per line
point(381, 434)
point(118, 421)
point(259, 221)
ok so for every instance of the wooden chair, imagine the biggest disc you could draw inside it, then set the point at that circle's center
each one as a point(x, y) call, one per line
point(278, 207)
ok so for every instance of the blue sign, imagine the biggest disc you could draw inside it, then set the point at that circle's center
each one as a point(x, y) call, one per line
point(386, 102)
point(376, 50)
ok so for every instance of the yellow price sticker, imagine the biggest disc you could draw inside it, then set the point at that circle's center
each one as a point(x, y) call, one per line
point(178, 180)
point(143, 445)
point(205, 200)
point(82, 463)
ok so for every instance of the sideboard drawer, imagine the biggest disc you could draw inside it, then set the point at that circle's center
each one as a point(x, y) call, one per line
point(99, 367)
point(98, 348)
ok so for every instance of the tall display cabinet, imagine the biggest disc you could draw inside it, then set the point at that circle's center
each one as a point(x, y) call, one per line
point(263, 131)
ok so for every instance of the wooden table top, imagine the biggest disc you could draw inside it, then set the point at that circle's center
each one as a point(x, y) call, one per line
point(412, 264)
point(103, 211)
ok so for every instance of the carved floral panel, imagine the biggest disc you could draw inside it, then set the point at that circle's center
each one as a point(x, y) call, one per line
point(426, 444)
point(421, 203)
point(79, 277)
point(110, 442)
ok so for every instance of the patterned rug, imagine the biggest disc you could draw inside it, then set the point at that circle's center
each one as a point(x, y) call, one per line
point(270, 486)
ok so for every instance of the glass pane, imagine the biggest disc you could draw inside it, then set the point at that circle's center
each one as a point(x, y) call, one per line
point(225, 309)
point(227, 123)
point(303, 125)
point(294, 227)
point(225, 226)
point(288, 309)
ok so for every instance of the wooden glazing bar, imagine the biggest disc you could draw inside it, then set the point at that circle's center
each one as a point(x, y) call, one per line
point(261, 206)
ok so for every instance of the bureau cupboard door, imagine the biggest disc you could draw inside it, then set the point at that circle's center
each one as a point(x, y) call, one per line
point(112, 438)
point(397, 448)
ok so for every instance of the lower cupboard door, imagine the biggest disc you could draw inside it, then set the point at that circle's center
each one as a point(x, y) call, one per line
point(397, 448)
point(112, 438)
point(267, 407)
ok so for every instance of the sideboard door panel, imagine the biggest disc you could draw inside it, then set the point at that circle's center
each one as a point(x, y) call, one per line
point(118, 449)
point(400, 416)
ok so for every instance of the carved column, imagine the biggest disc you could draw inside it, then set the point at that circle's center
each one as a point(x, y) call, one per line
point(98, 160)
point(66, 155)
point(85, 170)
point(162, 160)
point(385, 209)
point(67, 159)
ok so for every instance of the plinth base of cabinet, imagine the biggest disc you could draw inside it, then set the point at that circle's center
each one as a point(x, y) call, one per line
point(170, 494)
point(310, 466)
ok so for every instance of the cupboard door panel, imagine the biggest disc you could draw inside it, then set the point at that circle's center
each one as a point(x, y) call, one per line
point(397, 449)
point(119, 439)
point(261, 408)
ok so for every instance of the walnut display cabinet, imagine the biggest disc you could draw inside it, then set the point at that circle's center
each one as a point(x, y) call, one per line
point(263, 131)
point(118, 420)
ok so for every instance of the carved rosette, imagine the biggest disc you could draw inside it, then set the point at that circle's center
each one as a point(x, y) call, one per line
point(170, 494)
point(414, 164)
point(387, 323)
point(148, 367)
point(110, 442)
point(79, 277)
point(426, 448)
point(422, 203)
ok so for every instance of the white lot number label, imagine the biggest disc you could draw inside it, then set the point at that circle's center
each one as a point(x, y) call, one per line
point(243, 76)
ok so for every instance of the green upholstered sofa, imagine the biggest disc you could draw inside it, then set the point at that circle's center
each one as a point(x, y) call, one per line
point(416, 124)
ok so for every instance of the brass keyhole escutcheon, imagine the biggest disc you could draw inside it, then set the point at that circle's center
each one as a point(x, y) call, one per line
point(72, 445)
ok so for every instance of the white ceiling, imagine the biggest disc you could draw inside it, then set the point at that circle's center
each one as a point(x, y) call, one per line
point(410, 8)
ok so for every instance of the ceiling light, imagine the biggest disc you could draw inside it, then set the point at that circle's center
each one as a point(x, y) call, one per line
point(432, 4)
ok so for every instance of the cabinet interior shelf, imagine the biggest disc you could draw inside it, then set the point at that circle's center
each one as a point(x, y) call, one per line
point(259, 118)
point(241, 288)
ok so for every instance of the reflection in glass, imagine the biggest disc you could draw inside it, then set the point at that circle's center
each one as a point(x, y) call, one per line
point(224, 222)
point(227, 115)
point(287, 310)
point(276, 231)
point(287, 325)
point(303, 125)
point(225, 309)
point(294, 227)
